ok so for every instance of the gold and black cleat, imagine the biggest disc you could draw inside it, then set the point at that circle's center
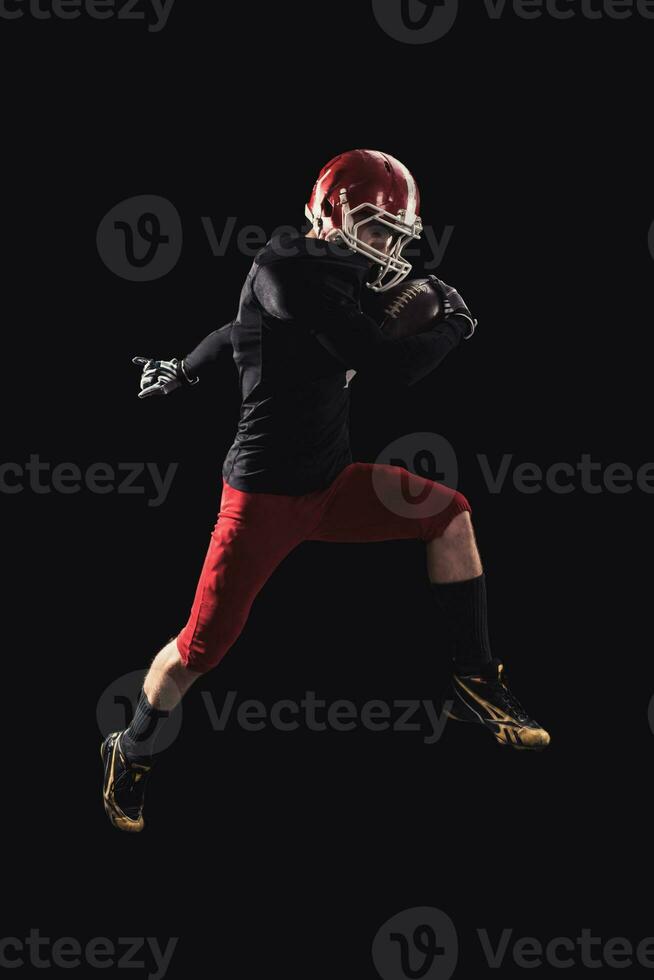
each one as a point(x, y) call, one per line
point(124, 786)
point(484, 699)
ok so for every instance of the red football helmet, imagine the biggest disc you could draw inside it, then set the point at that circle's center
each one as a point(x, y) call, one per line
point(367, 188)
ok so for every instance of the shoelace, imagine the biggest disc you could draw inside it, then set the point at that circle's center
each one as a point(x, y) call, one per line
point(132, 780)
point(127, 785)
point(509, 700)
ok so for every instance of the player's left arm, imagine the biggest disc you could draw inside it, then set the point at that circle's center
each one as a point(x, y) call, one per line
point(209, 350)
point(160, 377)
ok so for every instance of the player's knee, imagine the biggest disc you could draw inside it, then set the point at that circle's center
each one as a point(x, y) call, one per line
point(202, 665)
point(459, 523)
point(461, 503)
point(452, 521)
point(201, 661)
point(203, 650)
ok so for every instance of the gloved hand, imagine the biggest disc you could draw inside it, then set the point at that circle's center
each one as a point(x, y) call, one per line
point(162, 377)
point(454, 305)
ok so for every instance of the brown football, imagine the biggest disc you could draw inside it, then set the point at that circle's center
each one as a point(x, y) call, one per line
point(408, 308)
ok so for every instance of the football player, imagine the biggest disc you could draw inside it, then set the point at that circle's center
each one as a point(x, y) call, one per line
point(289, 477)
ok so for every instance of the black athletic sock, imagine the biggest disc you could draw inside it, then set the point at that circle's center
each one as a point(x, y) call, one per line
point(137, 741)
point(463, 608)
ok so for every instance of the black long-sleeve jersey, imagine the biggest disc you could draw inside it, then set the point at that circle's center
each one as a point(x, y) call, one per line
point(299, 328)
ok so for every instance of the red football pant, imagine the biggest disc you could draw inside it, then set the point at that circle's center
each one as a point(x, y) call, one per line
point(255, 531)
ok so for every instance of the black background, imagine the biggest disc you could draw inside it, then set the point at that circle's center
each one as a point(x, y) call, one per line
point(272, 854)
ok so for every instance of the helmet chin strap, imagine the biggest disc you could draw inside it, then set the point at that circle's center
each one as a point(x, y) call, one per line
point(316, 222)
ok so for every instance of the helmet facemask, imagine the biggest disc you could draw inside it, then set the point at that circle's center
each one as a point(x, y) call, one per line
point(392, 268)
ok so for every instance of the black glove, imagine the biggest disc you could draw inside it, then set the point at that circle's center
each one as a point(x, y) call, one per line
point(162, 377)
point(453, 305)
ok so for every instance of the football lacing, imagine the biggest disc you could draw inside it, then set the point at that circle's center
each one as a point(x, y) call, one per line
point(408, 294)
